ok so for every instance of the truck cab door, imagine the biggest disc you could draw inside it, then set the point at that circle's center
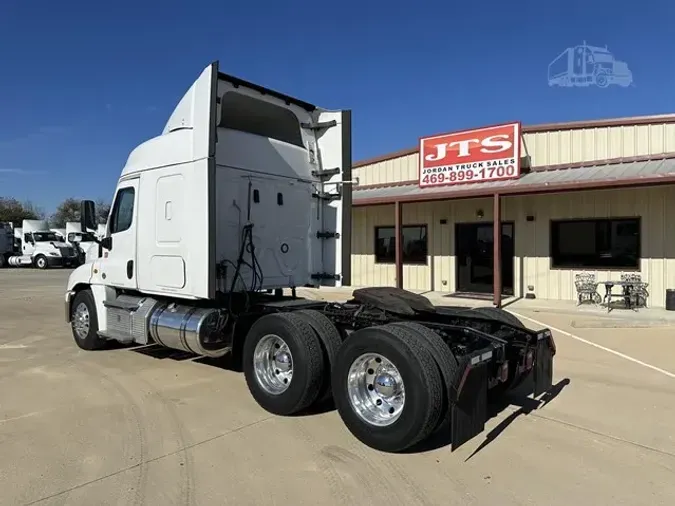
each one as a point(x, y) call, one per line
point(331, 159)
point(28, 245)
point(118, 264)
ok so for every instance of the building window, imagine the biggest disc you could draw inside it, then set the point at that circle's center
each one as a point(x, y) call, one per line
point(612, 243)
point(414, 239)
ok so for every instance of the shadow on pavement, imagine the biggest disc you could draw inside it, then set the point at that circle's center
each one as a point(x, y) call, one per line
point(439, 439)
point(526, 405)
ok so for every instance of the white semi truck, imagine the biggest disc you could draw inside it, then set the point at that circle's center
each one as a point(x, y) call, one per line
point(42, 248)
point(81, 241)
point(60, 232)
point(247, 190)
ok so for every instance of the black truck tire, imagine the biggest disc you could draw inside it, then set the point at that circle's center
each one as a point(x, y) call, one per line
point(308, 365)
point(84, 322)
point(422, 383)
point(445, 360)
point(330, 343)
point(500, 315)
point(41, 262)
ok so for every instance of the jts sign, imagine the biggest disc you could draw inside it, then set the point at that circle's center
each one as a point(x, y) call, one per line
point(486, 154)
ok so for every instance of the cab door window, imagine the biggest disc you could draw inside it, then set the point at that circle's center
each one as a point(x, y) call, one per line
point(123, 211)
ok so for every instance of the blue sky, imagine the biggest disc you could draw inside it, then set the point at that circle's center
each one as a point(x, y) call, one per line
point(82, 83)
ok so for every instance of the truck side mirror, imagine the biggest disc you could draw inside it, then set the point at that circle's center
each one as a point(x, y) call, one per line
point(106, 242)
point(87, 215)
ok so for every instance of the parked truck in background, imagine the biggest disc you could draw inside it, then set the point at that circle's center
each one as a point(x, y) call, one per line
point(42, 248)
point(18, 240)
point(60, 233)
point(6, 243)
point(81, 241)
point(247, 190)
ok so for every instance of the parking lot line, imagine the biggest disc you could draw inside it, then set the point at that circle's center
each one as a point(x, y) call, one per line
point(600, 347)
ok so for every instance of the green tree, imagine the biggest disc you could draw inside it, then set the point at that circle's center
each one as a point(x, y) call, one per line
point(102, 211)
point(14, 211)
point(68, 210)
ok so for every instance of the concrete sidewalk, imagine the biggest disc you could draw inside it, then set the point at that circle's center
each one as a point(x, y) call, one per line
point(618, 317)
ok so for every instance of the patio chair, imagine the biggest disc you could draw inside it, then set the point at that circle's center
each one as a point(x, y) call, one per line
point(587, 288)
point(639, 292)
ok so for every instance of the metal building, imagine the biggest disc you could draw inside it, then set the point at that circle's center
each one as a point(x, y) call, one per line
point(592, 197)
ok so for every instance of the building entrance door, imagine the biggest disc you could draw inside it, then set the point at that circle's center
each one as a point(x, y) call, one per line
point(474, 252)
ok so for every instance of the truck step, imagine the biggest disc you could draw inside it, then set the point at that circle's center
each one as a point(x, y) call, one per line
point(326, 173)
point(320, 125)
point(127, 318)
point(121, 304)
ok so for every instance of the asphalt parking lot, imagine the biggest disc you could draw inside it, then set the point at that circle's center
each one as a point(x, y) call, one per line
point(119, 427)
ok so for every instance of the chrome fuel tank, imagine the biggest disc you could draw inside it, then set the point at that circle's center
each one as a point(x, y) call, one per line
point(192, 329)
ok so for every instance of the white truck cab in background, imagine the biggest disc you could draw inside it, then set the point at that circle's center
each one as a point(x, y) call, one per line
point(18, 239)
point(42, 248)
point(81, 241)
point(60, 232)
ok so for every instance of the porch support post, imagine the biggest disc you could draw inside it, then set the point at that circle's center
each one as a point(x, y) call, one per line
point(398, 220)
point(497, 255)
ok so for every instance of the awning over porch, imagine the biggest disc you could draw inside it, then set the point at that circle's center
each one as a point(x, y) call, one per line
point(541, 180)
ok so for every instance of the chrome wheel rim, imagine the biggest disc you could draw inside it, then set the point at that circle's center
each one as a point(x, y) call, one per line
point(81, 320)
point(376, 389)
point(273, 364)
point(41, 262)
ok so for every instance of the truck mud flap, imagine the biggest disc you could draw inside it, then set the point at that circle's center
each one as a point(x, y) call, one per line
point(543, 367)
point(468, 413)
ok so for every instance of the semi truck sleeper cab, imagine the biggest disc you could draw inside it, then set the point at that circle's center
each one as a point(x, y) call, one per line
point(248, 191)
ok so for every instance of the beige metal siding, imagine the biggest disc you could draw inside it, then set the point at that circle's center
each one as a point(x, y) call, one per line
point(403, 168)
point(593, 144)
point(440, 272)
point(365, 271)
point(532, 264)
point(551, 148)
point(653, 205)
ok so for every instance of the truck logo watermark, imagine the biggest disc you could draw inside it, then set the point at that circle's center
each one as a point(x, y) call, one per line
point(586, 65)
